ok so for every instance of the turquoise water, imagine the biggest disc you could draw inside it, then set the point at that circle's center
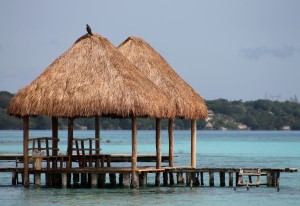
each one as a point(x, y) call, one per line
point(214, 149)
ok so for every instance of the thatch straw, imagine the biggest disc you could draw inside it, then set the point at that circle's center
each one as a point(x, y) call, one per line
point(188, 103)
point(91, 78)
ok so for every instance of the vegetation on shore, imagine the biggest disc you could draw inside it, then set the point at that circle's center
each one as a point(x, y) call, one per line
point(254, 115)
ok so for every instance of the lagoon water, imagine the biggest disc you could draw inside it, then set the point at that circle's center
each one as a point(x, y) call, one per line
point(278, 149)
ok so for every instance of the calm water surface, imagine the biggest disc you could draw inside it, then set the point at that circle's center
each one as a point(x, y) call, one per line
point(214, 149)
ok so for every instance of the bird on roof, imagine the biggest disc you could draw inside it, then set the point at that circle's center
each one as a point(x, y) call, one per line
point(88, 29)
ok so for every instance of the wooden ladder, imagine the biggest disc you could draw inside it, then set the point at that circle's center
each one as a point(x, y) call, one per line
point(250, 173)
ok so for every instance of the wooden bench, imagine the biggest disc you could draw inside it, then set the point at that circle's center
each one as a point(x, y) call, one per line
point(86, 153)
point(249, 173)
point(42, 156)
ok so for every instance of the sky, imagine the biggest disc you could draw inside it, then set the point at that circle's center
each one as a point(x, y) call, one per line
point(234, 49)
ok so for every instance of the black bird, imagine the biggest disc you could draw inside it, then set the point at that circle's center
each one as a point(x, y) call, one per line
point(88, 29)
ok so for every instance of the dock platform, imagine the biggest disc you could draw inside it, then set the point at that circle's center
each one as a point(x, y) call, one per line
point(101, 176)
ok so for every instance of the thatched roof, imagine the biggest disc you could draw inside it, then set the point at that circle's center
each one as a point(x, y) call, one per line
point(189, 103)
point(91, 78)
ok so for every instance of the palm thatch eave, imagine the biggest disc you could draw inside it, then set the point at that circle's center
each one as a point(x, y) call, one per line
point(188, 103)
point(92, 78)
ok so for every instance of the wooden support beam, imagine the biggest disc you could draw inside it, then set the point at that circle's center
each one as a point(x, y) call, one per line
point(134, 153)
point(193, 143)
point(94, 181)
point(25, 149)
point(14, 178)
point(158, 152)
point(126, 180)
point(55, 136)
point(75, 179)
point(180, 179)
point(222, 179)
point(196, 180)
point(97, 134)
point(70, 135)
point(101, 180)
point(143, 179)
point(158, 144)
point(188, 178)
point(201, 179)
point(70, 145)
point(121, 179)
point(211, 179)
point(230, 174)
point(165, 178)
point(83, 179)
point(113, 179)
point(64, 180)
point(171, 176)
point(171, 142)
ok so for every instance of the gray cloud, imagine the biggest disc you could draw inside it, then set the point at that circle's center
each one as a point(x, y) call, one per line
point(282, 52)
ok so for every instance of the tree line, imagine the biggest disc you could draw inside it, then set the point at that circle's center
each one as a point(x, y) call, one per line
point(256, 115)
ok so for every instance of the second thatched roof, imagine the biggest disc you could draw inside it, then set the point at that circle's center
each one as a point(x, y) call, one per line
point(189, 104)
point(92, 78)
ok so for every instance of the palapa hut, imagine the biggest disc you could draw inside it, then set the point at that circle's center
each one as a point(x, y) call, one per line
point(90, 79)
point(188, 103)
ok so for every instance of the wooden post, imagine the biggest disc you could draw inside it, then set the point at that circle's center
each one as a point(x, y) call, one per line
point(70, 145)
point(126, 180)
point(101, 179)
point(25, 149)
point(188, 178)
point(222, 179)
point(171, 149)
point(64, 180)
point(70, 135)
point(165, 178)
point(171, 178)
point(113, 179)
point(236, 178)
point(134, 153)
point(278, 181)
point(121, 179)
point(193, 143)
point(211, 179)
point(75, 179)
point(197, 181)
point(171, 143)
point(50, 177)
point(97, 135)
point(230, 179)
point(158, 152)
point(55, 135)
point(143, 179)
point(94, 177)
point(14, 175)
point(202, 180)
point(269, 179)
point(180, 179)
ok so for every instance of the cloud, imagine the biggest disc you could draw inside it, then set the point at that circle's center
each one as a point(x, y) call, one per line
point(282, 52)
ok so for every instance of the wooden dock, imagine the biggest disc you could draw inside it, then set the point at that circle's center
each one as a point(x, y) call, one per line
point(98, 175)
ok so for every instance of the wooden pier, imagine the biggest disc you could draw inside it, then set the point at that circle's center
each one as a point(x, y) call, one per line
point(60, 174)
